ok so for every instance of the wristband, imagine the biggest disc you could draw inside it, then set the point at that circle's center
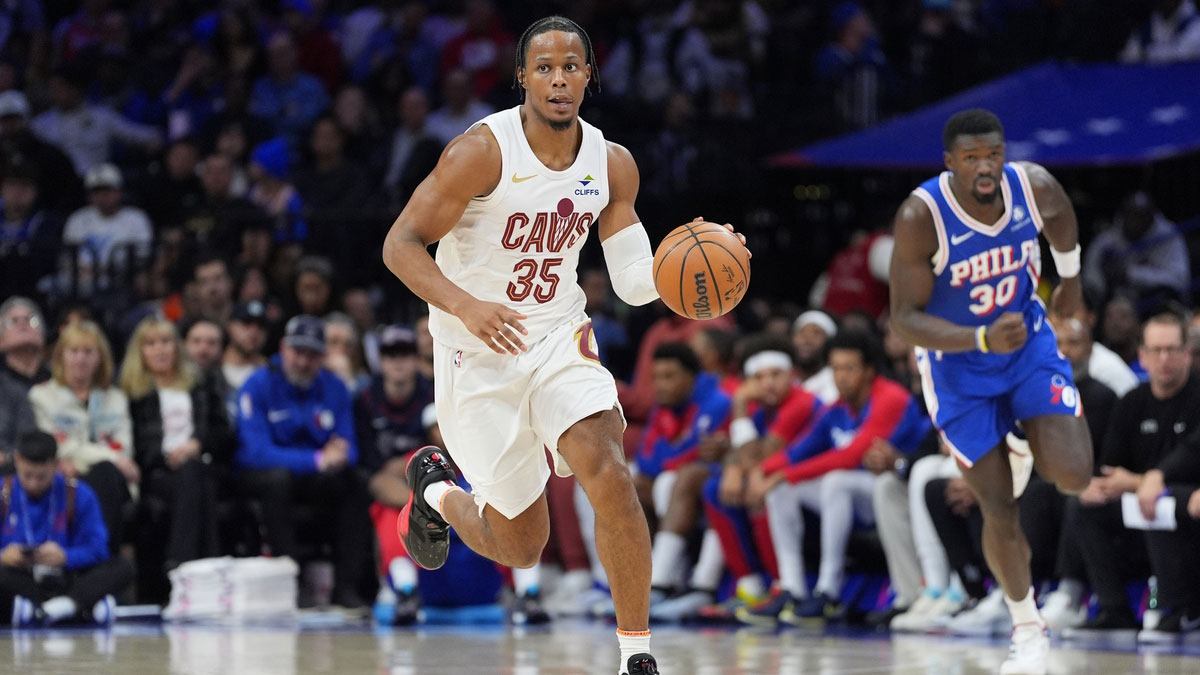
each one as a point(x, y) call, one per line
point(1067, 263)
point(742, 431)
point(981, 339)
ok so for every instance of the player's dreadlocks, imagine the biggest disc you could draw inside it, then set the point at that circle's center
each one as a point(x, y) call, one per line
point(565, 25)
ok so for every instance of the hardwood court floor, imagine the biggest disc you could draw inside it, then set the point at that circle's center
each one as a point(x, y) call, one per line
point(565, 649)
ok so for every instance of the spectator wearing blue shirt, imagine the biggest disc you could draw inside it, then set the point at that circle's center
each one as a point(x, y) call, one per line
point(297, 446)
point(286, 96)
point(54, 561)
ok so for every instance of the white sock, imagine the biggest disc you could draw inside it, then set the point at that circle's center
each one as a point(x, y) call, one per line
point(631, 642)
point(436, 492)
point(751, 586)
point(1023, 611)
point(706, 575)
point(59, 608)
point(665, 555)
point(403, 575)
point(527, 579)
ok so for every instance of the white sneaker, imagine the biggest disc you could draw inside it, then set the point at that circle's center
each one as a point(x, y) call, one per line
point(1020, 458)
point(988, 617)
point(681, 608)
point(927, 613)
point(1059, 613)
point(1029, 653)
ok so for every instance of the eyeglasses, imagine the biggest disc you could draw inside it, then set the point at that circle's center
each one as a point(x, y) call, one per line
point(1172, 350)
point(22, 320)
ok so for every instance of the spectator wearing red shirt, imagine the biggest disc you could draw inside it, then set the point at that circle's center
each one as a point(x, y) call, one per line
point(484, 50)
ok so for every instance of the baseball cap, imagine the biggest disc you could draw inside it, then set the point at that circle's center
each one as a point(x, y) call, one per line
point(13, 103)
point(305, 332)
point(397, 340)
point(102, 176)
point(252, 311)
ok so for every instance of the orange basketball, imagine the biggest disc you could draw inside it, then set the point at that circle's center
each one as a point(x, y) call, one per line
point(701, 270)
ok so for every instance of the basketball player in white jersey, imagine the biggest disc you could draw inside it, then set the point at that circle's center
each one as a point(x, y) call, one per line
point(511, 202)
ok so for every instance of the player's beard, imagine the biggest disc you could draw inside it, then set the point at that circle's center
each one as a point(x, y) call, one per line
point(557, 125)
point(982, 198)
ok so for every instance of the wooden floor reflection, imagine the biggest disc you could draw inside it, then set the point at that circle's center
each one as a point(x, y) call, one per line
point(566, 649)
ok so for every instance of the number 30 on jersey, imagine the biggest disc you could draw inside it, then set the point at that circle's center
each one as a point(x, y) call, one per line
point(988, 297)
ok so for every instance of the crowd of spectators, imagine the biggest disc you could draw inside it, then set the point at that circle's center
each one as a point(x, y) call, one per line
point(194, 199)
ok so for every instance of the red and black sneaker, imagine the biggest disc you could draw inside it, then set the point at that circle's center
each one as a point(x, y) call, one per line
point(425, 534)
point(641, 664)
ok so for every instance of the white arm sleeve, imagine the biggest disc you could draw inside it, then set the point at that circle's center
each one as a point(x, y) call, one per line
point(630, 261)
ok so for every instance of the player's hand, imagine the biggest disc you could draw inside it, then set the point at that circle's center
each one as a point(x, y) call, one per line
point(741, 237)
point(1193, 505)
point(758, 485)
point(959, 496)
point(1007, 334)
point(497, 326)
point(50, 554)
point(1149, 490)
point(880, 457)
point(732, 487)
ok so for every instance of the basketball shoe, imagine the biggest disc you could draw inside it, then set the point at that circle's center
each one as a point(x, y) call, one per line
point(641, 664)
point(1030, 651)
point(425, 534)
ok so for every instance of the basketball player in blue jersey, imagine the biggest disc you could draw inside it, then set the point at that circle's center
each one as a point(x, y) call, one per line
point(963, 279)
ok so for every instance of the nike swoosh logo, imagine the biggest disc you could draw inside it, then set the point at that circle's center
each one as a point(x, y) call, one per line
point(1187, 625)
point(522, 180)
point(960, 238)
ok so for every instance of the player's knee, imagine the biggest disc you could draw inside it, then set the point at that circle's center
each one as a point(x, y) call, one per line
point(605, 473)
point(1075, 482)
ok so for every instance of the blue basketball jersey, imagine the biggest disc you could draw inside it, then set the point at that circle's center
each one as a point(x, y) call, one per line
point(984, 270)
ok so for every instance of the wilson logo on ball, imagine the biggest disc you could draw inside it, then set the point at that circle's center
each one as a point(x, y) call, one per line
point(701, 306)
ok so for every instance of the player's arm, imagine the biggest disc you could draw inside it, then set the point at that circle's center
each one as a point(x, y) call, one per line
point(627, 252)
point(469, 166)
point(911, 280)
point(1062, 231)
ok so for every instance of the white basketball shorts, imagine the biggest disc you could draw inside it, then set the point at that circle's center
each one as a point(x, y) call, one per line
point(499, 412)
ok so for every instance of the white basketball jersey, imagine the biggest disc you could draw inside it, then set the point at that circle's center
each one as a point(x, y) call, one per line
point(519, 246)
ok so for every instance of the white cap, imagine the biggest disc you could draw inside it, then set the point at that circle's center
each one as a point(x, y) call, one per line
point(13, 102)
point(102, 176)
point(821, 319)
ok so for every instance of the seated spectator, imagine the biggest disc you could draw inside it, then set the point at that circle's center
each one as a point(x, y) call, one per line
point(674, 462)
point(213, 288)
point(317, 50)
point(89, 417)
point(297, 446)
point(853, 69)
point(54, 548)
point(1143, 257)
point(331, 185)
point(247, 338)
point(415, 150)
point(203, 341)
point(358, 306)
point(823, 472)
point(769, 411)
point(714, 347)
point(58, 186)
point(1145, 426)
point(23, 342)
point(86, 132)
point(181, 438)
point(481, 48)
point(272, 192)
point(1172, 34)
point(174, 189)
point(287, 97)
point(857, 276)
point(390, 425)
point(218, 219)
point(461, 108)
point(314, 285)
point(811, 331)
point(110, 235)
point(1120, 333)
point(343, 352)
point(29, 235)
